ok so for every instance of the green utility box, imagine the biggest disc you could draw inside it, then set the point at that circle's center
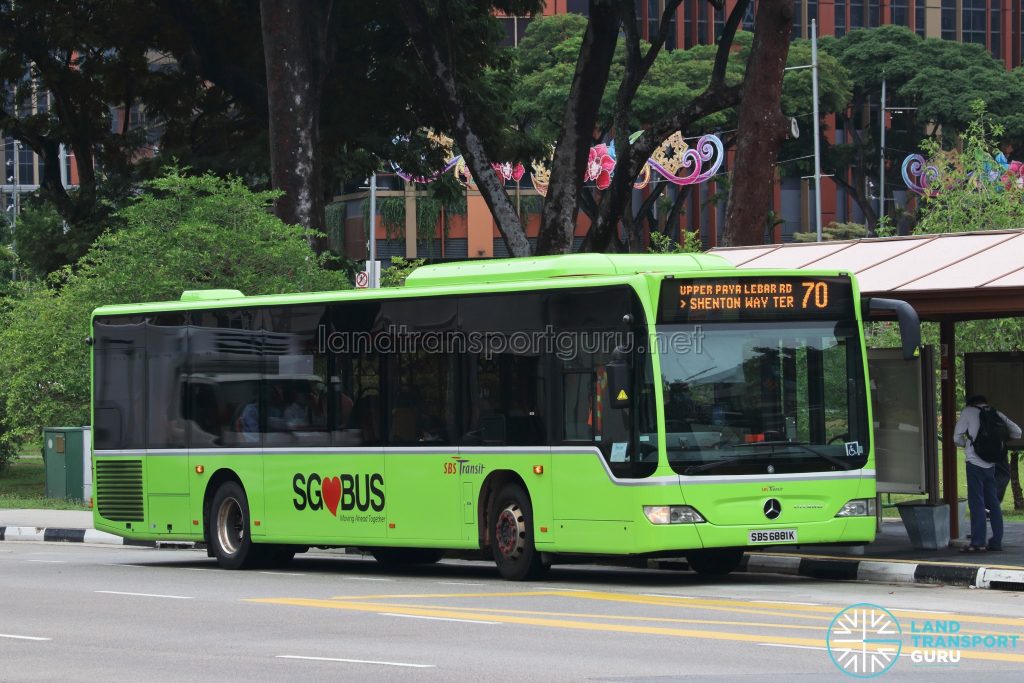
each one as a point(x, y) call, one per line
point(67, 456)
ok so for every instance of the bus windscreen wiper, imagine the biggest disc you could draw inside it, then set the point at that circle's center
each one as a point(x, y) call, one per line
point(695, 469)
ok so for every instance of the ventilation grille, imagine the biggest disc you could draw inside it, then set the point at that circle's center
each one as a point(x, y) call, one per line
point(119, 490)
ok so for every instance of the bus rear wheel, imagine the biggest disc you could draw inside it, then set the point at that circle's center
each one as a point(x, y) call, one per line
point(511, 527)
point(229, 528)
point(715, 561)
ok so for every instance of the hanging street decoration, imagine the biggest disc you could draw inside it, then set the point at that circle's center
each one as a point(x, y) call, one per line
point(919, 175)
point(922, 178)
point(674, 160)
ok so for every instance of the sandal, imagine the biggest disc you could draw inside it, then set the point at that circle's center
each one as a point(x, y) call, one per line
point(973, 549)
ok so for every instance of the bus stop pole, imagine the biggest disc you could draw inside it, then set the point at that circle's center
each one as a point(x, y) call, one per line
point(947, 342)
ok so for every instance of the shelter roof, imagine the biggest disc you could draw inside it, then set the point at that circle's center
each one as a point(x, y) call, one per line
point(960, 276)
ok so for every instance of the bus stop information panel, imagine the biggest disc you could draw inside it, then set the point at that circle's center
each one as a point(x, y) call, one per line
point(755, 298)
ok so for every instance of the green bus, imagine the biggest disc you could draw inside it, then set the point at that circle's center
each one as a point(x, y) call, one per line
point(533, 410)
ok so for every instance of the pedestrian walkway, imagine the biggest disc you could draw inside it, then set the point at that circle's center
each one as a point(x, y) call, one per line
point(889, 559)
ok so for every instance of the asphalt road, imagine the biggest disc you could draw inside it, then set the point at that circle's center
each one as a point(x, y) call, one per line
point(80, 612)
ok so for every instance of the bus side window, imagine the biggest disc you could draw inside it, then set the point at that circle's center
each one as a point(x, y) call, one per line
point(505, 401)
point(579, 418)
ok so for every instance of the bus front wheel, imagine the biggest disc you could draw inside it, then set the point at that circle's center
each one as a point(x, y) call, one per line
point(511, 526)
point(229, 528)
point(715, 561)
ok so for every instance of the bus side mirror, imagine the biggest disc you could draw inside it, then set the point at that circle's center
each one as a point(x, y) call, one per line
point(910, 324)
point(620, 379)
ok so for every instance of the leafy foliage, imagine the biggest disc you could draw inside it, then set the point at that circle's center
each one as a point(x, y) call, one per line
point(395, 275)
point(183, 232)
point(933, 80)
point(970, 193)
point(663, 244)
point(833, 231)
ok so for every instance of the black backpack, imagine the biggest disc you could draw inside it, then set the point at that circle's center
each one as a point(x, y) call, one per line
point(990, 443)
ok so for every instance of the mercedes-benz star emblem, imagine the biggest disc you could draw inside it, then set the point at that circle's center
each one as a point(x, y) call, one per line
point(772, 508)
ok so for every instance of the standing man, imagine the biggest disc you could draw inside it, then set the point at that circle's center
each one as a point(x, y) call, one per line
point(981, 474)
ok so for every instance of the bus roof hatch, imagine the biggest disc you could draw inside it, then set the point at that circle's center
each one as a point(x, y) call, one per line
point(210, 294)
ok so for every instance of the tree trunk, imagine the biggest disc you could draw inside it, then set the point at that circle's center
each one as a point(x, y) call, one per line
point(294, 36)
point(762, 127)
point(631, 157)
point(561, 206)
point(492, 189)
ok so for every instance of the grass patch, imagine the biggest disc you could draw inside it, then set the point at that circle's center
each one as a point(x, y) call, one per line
point(1009, 513)
point(22, 485)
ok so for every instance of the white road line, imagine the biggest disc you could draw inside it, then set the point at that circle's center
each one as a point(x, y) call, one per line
point(417, 616)
point(812, 647)
point(786, 602)
point(281, 573)
point(200, 569)
point(366, 578)
point(358, 661)
point(50, 561)
point(461, 583)
point(122, 564)
point(795, 647)
point(148, 595)
point(8, 635)
point(668, 595)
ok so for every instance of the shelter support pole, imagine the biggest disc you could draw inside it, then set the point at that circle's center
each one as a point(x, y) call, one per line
point(947, 343)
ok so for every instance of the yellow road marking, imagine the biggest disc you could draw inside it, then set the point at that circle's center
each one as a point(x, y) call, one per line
point(362, 606)
point(510, 594)
point(677, 620)
point(621, 617)
point(811, 612)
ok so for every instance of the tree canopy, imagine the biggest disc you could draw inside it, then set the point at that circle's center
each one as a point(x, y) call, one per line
point(930, 85)
point(183, 232)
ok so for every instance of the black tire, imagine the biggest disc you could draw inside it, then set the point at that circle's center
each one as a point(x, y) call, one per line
point(229, 528)
point(511, 531)
point(275, 556)
point(403, 557)
point(715, 561)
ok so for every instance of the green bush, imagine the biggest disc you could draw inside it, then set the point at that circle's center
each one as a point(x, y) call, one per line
point(183, 232)
point(834, 231)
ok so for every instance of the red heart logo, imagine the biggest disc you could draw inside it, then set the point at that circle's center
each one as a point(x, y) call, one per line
point(331, 488)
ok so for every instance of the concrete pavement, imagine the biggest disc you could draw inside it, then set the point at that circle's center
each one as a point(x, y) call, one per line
point(889, 559)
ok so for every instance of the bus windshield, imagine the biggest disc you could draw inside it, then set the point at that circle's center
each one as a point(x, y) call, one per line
point(763, 397)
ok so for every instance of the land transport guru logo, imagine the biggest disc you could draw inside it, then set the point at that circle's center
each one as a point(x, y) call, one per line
point(866, 640)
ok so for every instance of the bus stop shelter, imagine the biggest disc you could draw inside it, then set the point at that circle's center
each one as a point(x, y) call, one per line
point(947, 278)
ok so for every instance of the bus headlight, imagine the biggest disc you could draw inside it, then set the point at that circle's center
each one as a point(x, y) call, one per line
point(672, 514)
point(860, 507)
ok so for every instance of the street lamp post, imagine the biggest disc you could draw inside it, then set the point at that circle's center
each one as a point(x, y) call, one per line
point(881, 160)
point(817, 123)
point(17, 183)
point(372, 265)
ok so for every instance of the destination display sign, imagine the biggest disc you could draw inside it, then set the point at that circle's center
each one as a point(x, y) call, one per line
point(789, 297)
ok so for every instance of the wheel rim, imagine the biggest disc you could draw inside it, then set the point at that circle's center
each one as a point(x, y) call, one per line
point(510, 532)
point(230, 526)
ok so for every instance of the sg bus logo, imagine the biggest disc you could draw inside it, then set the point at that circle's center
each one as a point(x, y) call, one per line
point(347, 491)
